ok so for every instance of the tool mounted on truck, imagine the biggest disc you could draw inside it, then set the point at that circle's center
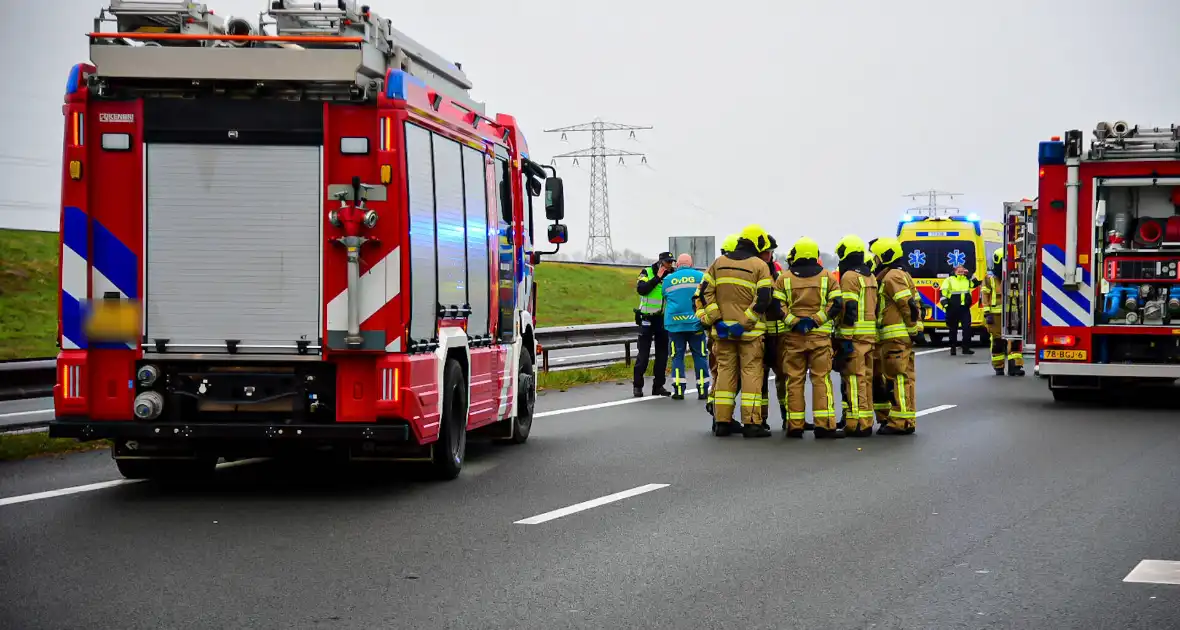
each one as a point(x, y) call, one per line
point(304, 233)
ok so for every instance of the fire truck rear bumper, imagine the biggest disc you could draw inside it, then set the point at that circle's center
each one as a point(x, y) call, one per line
point(1108, 370)
point(85, 429)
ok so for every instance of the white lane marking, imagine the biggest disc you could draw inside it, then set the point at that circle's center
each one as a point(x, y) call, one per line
point(926, 412)
point(49, 494)
point(593, 503)
point(920, 353)
point(102, 485)
point(1155, 572)
point(613, 403)
point(18, 414)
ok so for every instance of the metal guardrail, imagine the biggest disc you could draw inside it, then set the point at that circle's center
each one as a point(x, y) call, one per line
point(33, 378)
point(588, 336)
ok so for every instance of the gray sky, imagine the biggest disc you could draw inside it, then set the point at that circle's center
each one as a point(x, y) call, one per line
point(812, 118)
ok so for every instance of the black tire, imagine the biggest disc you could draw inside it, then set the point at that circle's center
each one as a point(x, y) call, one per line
point(167, 469)
point(526, 400)
point(451, 448)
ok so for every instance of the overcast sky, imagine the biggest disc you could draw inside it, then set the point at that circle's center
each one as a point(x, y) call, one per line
point(812, 118)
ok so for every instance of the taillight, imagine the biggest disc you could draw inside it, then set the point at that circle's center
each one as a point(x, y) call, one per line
point(1064, 341)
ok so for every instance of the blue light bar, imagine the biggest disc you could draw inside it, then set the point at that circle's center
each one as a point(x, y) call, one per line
point(74, 80)
point(907, 218)
point(973, 217)
point(396, 86)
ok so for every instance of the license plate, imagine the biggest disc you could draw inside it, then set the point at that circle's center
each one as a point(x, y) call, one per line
point(1064, 355)
point(113, 320)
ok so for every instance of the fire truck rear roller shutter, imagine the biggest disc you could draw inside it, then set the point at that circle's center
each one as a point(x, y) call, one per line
point(423, 270)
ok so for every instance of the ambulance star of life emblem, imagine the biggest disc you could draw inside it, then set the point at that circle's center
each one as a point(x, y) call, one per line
point(956, 258)
point(917, 258)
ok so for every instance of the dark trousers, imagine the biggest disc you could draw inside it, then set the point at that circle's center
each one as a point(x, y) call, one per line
point(650, 331)
point(958, 316)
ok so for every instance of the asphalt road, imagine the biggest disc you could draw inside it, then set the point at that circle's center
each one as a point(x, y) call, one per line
point(1003, 511)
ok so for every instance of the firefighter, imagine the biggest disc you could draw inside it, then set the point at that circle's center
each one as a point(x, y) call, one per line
point(650, 319)
point(684, 327)
point(727, 246)
point(956, 300)
point(775, 327)
point(737, 291)
point(810, 299)
point(899, 322)
point(990, 298)
point(878, 389)
point(856, 333)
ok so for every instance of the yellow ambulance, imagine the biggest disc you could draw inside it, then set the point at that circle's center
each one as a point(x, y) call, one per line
point(933, 247)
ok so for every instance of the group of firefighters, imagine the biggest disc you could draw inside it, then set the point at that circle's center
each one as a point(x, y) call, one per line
point(751, 318)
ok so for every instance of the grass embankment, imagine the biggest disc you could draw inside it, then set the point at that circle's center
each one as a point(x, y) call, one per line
point(570, 294)
point(28, 294)
point(25, 445)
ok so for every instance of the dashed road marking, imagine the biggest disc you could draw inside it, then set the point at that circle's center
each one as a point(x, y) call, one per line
point(593, 503)
point(1155, 572)
point(613, 403)
point(926, 412)
point(922, 352)
point(18, 414)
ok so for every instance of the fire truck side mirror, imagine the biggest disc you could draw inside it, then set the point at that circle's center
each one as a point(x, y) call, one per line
point(559, 234)
point(554, 203)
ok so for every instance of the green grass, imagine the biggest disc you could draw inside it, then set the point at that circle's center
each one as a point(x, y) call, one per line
point(26, 445)
point(28, 294)
point(570, 294)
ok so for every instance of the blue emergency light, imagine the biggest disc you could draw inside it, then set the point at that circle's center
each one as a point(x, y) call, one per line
point(1051, 152)
point(973, 217)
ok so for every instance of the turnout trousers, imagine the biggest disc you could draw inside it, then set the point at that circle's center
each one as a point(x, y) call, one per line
point(808, 355)
point(1007, 351)
point(880, 388)
point(898, 363)
point(652, 331)
point(682, 345)
point(958, 317)
point(856, 384)
point(773, 359)
point(739, 364)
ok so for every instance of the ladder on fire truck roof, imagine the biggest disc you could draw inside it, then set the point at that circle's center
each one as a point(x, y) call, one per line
point(381, 47)
point(1121, 141)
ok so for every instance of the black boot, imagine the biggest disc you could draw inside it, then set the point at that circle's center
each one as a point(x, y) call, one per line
point(999, 371)
point(807, 426)
point(756, 431)
point(660, 391)
point(953, 352)
point(888, 430)
point(638, 392)
point(702, 395)
point(828, 434)
point(795, 433)
point(967, 350)
point(722, 429)
point(678, 394)
point(1013, 369)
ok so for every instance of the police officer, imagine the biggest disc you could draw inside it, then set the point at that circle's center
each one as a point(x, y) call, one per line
point(810, 298)
point(856, 333)
point(898, 323)
point(956, 300)
point(684, 327)
point(772, 355)
point(991, 299)
point(650, 318)
point(737, 292)
point(727, 246)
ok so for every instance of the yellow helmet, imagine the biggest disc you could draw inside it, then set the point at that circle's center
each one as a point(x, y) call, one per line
point(729, 244)
point(756, 235)
point(850, 244)
point(998, 256)
point(803, 249)
point(887, 250)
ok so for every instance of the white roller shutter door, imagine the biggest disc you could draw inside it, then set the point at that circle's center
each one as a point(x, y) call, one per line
point(233, 246)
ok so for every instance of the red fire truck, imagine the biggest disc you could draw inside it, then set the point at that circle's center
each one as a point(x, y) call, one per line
point(300, 234)
point(1107, 246)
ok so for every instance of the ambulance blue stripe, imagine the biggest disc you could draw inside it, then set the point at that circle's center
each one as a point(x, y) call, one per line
point(115, 261)
point(1059, 311)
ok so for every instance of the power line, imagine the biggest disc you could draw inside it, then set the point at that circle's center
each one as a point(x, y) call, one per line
point(599, 240)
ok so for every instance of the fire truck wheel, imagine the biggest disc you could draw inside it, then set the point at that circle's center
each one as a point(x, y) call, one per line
point(526, 400)
point(167, 469)
point(451, 448)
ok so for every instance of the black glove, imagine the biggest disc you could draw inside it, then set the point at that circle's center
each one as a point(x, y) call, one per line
point(989, 318)
point(804, 325)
